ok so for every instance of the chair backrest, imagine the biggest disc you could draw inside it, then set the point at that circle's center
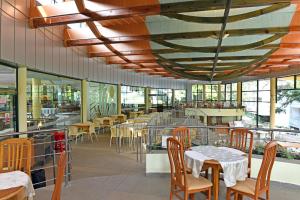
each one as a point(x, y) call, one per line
point(113, 131)
point(73, 130)
point(16, 154)
point(60, 176)
point(242, 139)
point(177, 166)
point(182, 134)
point(264, 175)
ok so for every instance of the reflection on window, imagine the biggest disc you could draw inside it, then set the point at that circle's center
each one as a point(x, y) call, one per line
point(102, 100)
point(52, 100)
point(7, 99)
point(286, 83)
point(132, 98)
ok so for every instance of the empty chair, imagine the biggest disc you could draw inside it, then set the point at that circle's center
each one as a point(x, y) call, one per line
point(92, 132)
point(16, 154)
point(74, 133)
point(254, 188)
point(60, 177)
point(242, 139)
point(180, 180)
point(182, 134)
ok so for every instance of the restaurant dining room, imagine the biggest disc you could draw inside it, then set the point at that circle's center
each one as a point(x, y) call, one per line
point(149, 99)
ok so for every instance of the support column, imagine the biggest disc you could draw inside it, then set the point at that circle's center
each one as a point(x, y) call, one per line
point(147, 99)
point(36, 101)
point(119, 103)
point(239, 94)
point(22, 102)
point(219, 92)
point(84, 101)
point(272, 102)
point(204, 92)
point(173, 98)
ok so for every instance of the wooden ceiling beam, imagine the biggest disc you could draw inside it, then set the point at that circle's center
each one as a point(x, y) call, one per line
point(182, 35)
point(152, 9)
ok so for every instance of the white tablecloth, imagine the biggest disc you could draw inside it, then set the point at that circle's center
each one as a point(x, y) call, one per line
point(16, 179)
point(233, 162)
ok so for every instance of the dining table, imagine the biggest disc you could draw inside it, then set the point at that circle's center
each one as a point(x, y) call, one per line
point(16, 185)
point(231, 162)
point(85, 127)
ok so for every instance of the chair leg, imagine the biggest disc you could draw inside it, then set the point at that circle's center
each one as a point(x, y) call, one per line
point(171, 195)
point(209, 194)
point(192, 196)
point(268, 194)
point(236, 195)
point(228, 194)
point(186, 195)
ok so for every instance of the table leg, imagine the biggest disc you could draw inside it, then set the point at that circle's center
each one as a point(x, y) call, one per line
point(215, 174)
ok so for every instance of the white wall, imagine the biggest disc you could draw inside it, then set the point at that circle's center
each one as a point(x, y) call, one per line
point(42, 49)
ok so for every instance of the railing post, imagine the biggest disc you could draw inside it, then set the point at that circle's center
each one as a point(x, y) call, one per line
point(67, 150)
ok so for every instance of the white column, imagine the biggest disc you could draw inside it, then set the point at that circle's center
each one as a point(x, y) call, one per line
point(22, 102)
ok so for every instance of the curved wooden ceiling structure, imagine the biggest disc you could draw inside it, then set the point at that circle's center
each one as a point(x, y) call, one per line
point(201, 40)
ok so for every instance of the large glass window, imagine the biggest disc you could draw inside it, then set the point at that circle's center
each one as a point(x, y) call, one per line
point(249, 100)
point(161, 97)
point(211, 92)
point(52, 100)
point(197, 92)
point(7, 99)
point(132, 98)
point(180, 96)
point(264, 103)
point(102, 99)
point(231, 93)
point(288, 102)
point(256, 99)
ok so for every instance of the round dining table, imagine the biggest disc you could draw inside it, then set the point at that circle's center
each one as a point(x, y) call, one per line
point(17, 193)
point(231, 162)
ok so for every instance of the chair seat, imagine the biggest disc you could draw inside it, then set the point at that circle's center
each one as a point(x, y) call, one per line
point(197, 183)
point(247, 186)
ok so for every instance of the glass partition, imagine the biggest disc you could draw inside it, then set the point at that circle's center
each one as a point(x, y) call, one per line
point(52, 100)
point(8, 99)
point(249, 100)
point(102, 99)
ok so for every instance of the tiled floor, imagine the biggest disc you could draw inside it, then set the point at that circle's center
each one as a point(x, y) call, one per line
point(99, 173)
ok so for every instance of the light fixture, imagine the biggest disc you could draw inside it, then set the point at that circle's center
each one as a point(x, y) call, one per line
point(226, 35)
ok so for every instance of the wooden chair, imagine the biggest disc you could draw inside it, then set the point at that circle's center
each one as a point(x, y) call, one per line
point(182, 134)
point(242, 139)
point(180, 180)
point(60, 176)
point(16, 154)
point(254, 188)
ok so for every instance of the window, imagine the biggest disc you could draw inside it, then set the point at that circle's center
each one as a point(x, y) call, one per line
point(132, 98)
point(180, 96)
point(161, 97)
point(256, 99)
point(102, 99)
point(8, 100)
point(52, 100)
point(249, 100)
point(211, 92)
point(231, 93)
point(197, 92)
point(288, 102)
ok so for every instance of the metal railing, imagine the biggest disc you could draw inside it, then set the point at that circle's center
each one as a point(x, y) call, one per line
point(46, 148)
